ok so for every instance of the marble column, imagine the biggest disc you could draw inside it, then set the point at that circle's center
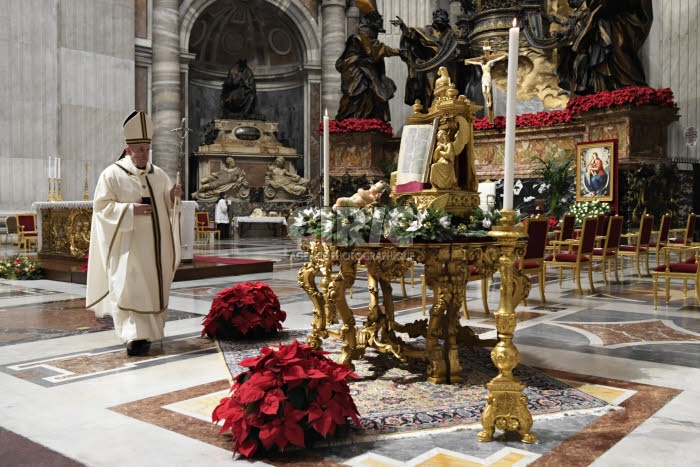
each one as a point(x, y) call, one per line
point(353, 19)
point(332, 45)
point(166, 85)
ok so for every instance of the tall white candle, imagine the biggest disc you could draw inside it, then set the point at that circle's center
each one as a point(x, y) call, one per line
point(512, 92)
point(326, 161)
point(50, 168)
point(58, 168)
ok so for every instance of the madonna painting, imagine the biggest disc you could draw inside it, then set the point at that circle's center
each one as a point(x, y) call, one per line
point(595, 171)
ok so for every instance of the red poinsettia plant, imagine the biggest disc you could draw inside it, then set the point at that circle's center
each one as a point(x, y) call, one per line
point(633, 95)
point(291, 395)
point(248, 309)
point(358, 125)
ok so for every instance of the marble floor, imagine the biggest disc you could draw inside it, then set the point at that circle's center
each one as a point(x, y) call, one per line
point(71, 396)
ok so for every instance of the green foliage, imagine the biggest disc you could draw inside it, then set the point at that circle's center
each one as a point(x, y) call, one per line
point(20, 268)
point(559, 175)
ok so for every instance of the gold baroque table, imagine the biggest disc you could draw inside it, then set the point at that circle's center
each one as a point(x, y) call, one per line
point(447, 269)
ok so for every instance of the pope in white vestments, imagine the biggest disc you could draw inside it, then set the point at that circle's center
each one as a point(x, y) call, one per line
point(134, 241)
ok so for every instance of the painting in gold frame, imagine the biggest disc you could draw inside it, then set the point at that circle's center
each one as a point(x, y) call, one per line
point(595, 170)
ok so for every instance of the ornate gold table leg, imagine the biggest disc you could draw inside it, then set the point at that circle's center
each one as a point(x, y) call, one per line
point(336, 303)
point(306, 279)
point(506, 407)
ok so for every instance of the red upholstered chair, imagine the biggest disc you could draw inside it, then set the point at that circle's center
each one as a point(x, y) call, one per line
point(26, 230)
point(203, 228)
point(566, 233)
point(611, 243)
point(687, 270)
point(533, 260)
point(641, 248)
point(582, 251)
point(661, 237)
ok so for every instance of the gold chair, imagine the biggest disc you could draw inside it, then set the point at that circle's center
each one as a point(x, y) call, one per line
point(532, 262)
point(203, 227)
point(661, 237)
point(565, 234)
point(687, 270)
point(686, 234)
point(611, 244)
point(641, 247)
point(26, 231)
point(580, 254)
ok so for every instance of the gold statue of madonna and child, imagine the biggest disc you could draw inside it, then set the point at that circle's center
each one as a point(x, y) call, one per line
point(452, 171)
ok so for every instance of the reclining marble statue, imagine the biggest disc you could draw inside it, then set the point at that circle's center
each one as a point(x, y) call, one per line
point(230, 180)
point(280, 183)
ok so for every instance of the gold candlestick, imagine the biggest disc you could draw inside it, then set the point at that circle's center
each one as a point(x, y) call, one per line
point(506, 406)
point(59, 195)
point(86, 194)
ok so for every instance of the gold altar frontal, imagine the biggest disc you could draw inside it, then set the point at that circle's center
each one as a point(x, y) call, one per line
point(447, 269)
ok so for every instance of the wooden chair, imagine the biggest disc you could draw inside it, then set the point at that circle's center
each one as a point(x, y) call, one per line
point(686, 237)
point(11, 228)
point(661, 237)
point(582, 250)
point(203, 227)
point(532, 262)
point(641, 248)
point(611, 244)
point(687, 270)
point(26, 231)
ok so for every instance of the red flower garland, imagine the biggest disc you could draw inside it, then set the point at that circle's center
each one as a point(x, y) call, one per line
point(357, 125)
point(633, 95)
point(248, 308)
point(290, 395)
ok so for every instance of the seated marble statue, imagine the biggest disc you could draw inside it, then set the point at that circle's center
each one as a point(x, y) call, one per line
point(231, 179)
point(442, 171)
point(279, 182)
point(374, 194)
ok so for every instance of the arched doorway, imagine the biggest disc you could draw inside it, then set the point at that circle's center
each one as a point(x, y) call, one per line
point(280, 42)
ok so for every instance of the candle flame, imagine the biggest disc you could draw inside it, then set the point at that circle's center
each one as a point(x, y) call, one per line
point(326, 112)
point(515, 22)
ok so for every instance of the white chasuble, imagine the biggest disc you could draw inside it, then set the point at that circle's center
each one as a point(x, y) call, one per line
point(132, 259)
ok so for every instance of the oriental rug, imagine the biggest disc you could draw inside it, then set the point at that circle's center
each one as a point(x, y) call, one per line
point(394, 398)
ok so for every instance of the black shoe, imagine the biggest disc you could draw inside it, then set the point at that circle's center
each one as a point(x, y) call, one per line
point(138, 347)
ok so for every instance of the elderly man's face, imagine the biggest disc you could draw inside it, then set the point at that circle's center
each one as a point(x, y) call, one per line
point(138, 153)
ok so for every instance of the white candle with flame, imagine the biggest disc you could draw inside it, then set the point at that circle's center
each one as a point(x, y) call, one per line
point(58, 167)
point(511, 97)
point(326, 161)
point(50, 162)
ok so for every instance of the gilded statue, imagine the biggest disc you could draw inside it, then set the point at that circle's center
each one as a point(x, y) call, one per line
point(280, 183)
point(442, 170)
point(230, 180)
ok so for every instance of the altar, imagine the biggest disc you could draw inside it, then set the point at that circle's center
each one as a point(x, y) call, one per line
point(64, 229)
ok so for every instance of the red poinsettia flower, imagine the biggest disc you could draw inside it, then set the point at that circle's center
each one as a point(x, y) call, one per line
point(358, 125)
point(249, 308)
point(633, 95)
point(285, 393)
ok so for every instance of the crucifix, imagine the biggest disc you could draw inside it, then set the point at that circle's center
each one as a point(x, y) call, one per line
point(486, 61)
point(182, 131)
